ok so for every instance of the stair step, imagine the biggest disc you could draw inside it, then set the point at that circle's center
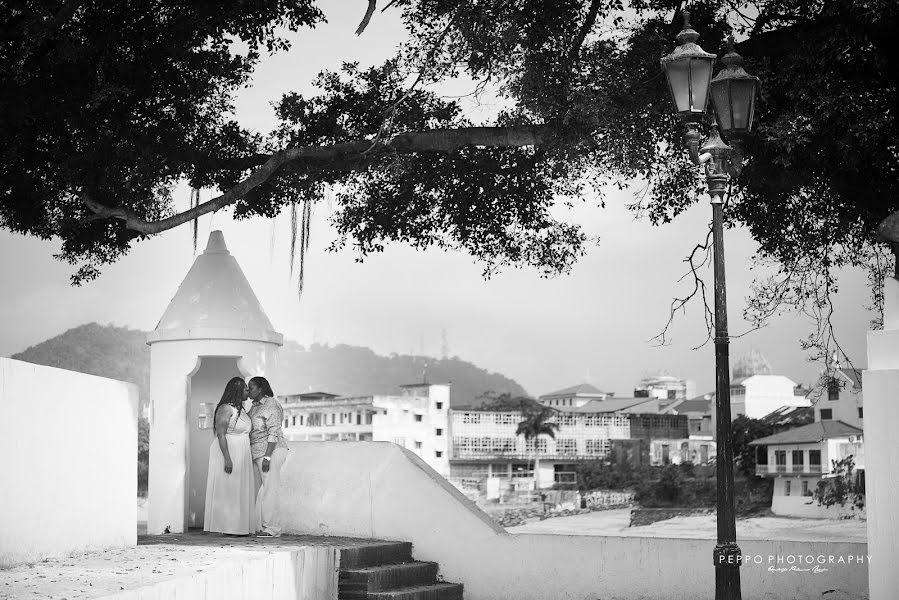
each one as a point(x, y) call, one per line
point(382, 577)
point(436, 591)
point(375, 554)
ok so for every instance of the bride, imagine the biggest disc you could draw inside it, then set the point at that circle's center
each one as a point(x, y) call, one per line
point(229, 485)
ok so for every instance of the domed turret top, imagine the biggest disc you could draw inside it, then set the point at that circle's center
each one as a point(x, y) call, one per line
point(215, 301)
point(751, 363)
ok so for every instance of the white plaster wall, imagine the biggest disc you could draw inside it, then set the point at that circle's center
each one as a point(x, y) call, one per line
point(378, 490)
point(69, 462)
point(766, 393)
point(171, 364)
point(882, 478)
point(307, 573)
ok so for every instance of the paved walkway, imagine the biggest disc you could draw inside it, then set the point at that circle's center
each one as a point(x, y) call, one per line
point(154, 560)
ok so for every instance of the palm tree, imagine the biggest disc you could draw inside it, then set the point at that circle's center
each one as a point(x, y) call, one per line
point(536, 423)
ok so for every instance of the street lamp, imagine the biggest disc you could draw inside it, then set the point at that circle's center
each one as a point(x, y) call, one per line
point(733, 91)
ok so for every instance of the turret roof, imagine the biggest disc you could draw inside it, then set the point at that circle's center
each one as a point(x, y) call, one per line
point(215, 301)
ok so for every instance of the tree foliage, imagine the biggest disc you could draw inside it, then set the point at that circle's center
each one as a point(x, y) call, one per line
point(844, 485)
point(105, 105)
point(743, 431)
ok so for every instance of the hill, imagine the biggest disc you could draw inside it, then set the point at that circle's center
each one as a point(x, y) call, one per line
point(104, 350)
point(122, 353)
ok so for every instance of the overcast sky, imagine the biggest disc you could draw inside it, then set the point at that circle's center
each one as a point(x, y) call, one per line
point(594, 324)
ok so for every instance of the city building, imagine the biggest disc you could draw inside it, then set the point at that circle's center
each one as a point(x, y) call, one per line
point(417, 419)
point(755, 391)
point(485, 445)
point(844, 399)
point(680, 451)
point(573, 397)
point(797, 459)
point(699, 416)
point(667, 388)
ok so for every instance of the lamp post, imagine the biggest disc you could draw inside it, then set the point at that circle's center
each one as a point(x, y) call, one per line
point(688, 70)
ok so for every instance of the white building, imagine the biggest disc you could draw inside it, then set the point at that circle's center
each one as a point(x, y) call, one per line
point(844, 400)
point(665, 387)
point(416, 419)
point(485, 445)
point(756, 392)
point(573, 397)
point(799, 458)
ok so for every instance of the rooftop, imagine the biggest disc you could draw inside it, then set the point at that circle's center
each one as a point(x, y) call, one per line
point(614, 405)
point(696, 405)
point(809, 434)
point(584, 389)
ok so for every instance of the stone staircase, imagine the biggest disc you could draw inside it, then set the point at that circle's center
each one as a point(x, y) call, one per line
point(387, 571)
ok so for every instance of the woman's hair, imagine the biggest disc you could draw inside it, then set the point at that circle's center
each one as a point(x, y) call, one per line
point(263, 384)
point(233, 395)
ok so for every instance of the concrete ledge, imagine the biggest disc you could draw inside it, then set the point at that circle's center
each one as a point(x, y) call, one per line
point(196, 566)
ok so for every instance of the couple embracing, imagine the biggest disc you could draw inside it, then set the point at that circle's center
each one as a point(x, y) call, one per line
point(245, 461)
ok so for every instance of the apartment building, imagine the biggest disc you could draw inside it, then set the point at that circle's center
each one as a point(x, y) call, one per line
point(485, 444)
point(417, 418)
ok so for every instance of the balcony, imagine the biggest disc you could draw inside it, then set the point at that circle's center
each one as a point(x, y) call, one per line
point(788, 470)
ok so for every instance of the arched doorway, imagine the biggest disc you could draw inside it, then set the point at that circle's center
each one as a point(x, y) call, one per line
point(205, 386)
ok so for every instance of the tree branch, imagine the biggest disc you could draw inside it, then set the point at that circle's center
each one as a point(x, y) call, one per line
point(368, 13)
point(586, 26)
point(435, 140)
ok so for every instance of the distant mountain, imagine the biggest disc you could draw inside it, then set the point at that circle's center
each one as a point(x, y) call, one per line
point(104, 350)
point(122, 353)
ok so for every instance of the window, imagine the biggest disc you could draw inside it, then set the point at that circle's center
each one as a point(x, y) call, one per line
point(566, 447)
point(294, 420)
point(368, 418)
point(780, 459)
point(438, 432)
point(438, 453)
point(597, 447)
point(672, 394)
point(539, 446)
point(565, 419)
point(358, 418)
point(418, 418)
point(286, 421)
point(787, 485)
point(814, 461)
point(798, 460)
point(805, 491)
point(861, 414)
point(418, 445)
point(471, 418)
point(833, 388)
point(826, 414)
point(439, 405)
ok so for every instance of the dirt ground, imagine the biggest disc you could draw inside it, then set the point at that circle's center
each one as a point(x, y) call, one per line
point(615, 523)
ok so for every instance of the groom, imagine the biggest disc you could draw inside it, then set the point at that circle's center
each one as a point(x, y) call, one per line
point(269, 452)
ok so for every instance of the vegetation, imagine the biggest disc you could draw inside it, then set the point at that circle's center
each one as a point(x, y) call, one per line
point(845, 485)
point(506, 402)
point(743, 431)
point(536, 423)
point(143, 455)
point(105, 106)
point(682, 486)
